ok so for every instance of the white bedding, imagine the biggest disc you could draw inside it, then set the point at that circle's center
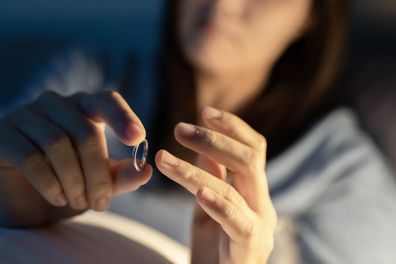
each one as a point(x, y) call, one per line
point(91, 238)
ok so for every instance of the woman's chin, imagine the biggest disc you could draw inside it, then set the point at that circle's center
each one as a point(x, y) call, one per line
point(213, 64)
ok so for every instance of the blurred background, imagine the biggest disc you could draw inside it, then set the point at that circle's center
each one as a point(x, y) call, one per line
point(31, 32)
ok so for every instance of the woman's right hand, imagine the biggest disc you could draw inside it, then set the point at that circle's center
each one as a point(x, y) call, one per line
point(58, 144)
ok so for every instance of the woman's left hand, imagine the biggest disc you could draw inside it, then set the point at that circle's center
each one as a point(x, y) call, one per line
point(243, 207)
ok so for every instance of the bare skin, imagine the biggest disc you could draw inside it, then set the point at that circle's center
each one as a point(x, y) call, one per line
point(232, 45)
point(53, 157)
point(235, 222)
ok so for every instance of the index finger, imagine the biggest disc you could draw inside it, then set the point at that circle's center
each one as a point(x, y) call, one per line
point(193, 178)
point(232, 126)
point(111, 108)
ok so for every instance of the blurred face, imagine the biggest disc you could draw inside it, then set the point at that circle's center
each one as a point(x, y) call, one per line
point(228, 36)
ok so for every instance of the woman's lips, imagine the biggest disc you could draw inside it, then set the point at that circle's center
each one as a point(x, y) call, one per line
point(207, 26)
point(213, 29)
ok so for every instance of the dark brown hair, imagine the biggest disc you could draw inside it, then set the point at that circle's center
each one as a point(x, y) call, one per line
point(299, 84)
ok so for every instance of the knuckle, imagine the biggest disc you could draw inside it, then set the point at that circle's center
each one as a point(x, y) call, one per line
point(79, 97)
point(254, 161)
point(33, 160)
point(248, 156)
point(92, 139)
point(58, 143)
point(43, 178)
point(47, 96)
point(112, 96)
point(102, 185)
point(191, 174)
point(90, 135)
point(101, 188)
point(49, 187)
point(232, 195)
point(262, 143)
point(209, 138)
point(76, 186)
point(229, 193)
point(249, 230)
point(229, 212)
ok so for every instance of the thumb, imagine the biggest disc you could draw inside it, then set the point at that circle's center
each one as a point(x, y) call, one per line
point(126, 178)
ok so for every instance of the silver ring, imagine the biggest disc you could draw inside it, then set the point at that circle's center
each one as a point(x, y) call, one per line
point(140, 162)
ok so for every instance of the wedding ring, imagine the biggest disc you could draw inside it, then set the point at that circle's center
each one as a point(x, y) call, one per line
point(139, 155)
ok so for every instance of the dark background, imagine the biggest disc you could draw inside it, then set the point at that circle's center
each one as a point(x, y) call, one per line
point(33, 31)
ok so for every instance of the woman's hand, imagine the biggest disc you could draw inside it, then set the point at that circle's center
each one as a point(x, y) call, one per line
point(242, 208)
point(58, 144)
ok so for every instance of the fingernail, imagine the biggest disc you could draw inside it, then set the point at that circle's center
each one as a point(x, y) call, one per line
point(81, 202)
point(187, 129)
point(169, 159)
point(207, 196)
point(102, 204)
point(211, 113)
point(60, 200)
point(133, 132)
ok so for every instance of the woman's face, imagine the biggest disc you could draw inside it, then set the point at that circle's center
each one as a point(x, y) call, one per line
point(229, 36)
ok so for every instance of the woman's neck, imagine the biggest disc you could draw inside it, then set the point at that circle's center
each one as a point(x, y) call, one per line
point(229, 92)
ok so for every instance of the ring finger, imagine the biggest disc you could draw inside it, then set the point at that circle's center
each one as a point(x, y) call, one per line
point(59, 151)
point(32, 163)
point(90, 141)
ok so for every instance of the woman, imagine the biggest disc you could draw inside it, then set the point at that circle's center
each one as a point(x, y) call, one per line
point(269, 62)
